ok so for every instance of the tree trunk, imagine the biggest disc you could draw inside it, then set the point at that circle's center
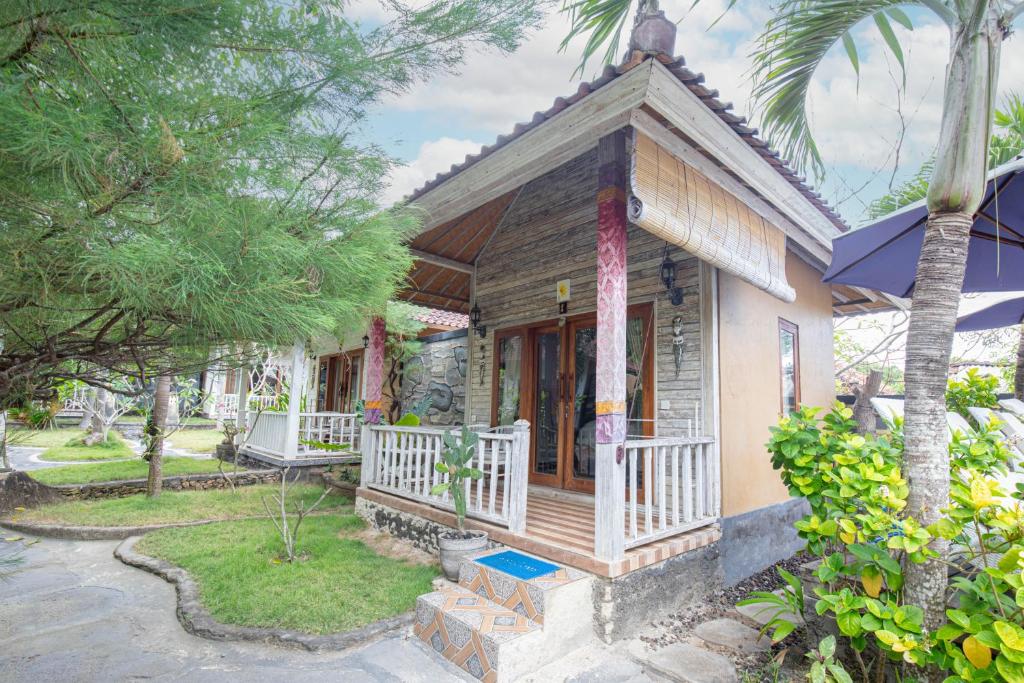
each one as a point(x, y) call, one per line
point(88, 410)
point(940, 275)
point(954, 195)
point(863, 411)
point(154, 484)
point(5, 463)
point(1018, 375)
point(101, 412)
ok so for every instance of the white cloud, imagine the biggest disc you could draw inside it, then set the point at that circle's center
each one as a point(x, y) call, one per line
point(435, 156)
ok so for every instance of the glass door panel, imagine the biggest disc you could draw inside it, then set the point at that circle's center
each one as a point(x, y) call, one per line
point(547, 409)
point(583, 385)
point(355, 367)
point(508, 380)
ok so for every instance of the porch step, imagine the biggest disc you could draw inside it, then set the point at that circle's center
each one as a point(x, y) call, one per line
point(525, 596)
point(475, 633)
point(500, 627)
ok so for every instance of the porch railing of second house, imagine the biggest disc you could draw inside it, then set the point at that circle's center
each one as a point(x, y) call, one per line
point(403, 461)
point(671, 486)
point(322, 433)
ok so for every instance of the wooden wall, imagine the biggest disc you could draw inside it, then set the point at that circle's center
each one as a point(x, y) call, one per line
point(549, 234)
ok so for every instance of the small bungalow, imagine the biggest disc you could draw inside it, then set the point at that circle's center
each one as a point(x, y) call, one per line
point(642, 279)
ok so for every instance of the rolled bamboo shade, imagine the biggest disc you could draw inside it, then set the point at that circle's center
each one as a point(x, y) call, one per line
point(674, 201)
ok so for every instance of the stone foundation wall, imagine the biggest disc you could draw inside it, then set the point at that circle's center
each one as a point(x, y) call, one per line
point(191, 482)
point(421, 532)
point(624, 605)
point(440, 371)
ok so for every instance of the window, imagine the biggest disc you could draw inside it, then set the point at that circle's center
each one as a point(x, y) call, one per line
point(789, 363)
point(507, 378)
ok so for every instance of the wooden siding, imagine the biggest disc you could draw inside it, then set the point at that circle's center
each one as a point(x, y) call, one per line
point(549, 234)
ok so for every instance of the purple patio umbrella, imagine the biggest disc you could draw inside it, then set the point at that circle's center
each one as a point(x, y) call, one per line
point(883, 256)
point(1003, 314)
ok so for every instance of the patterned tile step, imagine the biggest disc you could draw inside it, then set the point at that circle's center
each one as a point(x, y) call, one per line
point(525, 597)
point(471, 631)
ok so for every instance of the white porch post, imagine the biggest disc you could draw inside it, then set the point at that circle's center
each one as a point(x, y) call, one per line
point(242, 414)
point(610, 475)
point(295, 391)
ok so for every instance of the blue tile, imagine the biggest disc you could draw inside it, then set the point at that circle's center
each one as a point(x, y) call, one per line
point(518, 565)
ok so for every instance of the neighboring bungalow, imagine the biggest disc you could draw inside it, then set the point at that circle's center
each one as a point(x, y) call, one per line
point(319, 423)
point(643, 279)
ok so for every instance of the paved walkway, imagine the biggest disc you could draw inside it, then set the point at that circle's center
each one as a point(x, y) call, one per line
point(74, 613)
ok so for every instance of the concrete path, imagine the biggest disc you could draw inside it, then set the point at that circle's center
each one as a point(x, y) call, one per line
point(74, 613)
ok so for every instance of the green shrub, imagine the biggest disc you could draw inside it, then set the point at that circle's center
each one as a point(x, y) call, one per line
point(973, 391)
point(860, 531)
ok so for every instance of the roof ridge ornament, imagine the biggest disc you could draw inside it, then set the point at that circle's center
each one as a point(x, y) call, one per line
point(652, 34)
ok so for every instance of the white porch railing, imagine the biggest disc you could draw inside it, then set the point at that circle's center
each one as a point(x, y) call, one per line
point(671, 486)
point(401, 461)
point(268, 434)
point(226, 405)
point(76, 404)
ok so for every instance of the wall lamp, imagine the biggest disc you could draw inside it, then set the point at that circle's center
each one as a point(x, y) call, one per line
point(668, 278)
point(474, 321)
point(366, 340)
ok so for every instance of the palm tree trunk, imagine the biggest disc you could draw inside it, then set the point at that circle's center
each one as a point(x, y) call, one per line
point(154, 483)
point(940, 275)
point(1018, 375)
point(954, 195)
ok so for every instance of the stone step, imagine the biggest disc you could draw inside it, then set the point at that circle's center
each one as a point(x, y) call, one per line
point(732, 636)
point(487, 640)
point(529, 597)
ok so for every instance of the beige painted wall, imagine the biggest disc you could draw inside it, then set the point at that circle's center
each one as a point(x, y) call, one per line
point(751, 380)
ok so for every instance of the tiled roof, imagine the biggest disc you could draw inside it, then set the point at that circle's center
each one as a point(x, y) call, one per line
point(435, 317)
point(694, 83)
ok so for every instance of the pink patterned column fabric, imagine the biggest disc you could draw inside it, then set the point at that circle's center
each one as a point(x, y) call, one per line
point(374, 373)
point(611, 295)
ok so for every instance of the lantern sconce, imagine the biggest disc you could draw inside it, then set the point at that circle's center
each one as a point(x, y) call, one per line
point(366, 341)
point(474, 321)
point(668, 278)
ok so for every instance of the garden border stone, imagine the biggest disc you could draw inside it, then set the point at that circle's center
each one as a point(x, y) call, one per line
point(198, 621)
point(96, 533)
point(120, 488)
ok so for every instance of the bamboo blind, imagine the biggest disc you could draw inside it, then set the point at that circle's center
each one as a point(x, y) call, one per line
point(677, 203)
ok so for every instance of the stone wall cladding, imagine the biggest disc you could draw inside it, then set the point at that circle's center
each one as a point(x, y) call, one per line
point(624, 605)
point(440, 371)
point(190, 482)
point(421, 532)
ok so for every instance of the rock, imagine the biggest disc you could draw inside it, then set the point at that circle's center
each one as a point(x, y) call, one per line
point(733, 636)
point(684, 662)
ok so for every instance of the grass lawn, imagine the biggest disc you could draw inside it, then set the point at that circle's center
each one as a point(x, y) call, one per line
point(42, 438)
point(74, 450)
point(137, 468)
point(342, 584)
point(196, 440)
point(174, 506)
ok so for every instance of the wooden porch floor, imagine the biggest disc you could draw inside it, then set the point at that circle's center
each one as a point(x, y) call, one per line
point(560, 527)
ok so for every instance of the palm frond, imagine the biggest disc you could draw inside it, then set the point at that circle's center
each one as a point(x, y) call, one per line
point(603, 20)
point(790, 49)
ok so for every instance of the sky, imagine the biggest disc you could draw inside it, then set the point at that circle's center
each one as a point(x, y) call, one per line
point(858, 122)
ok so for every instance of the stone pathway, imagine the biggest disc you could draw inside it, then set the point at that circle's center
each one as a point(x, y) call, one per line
point(75, 613)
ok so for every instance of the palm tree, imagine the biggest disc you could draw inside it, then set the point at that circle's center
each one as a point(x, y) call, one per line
point(789, 50)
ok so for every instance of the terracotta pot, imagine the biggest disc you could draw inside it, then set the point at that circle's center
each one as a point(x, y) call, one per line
point(454, 548)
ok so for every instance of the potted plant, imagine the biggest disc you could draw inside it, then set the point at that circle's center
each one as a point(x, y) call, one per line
point(456, 544)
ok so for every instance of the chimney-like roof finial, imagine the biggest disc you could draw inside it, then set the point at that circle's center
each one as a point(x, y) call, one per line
point(652, 33)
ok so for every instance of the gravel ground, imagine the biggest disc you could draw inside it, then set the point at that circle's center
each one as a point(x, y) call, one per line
point(678, 627)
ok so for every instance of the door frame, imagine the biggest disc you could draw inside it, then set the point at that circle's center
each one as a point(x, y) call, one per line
point(528, 385)
point(333, 379)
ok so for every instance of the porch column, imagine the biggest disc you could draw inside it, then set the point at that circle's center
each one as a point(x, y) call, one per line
point(374, 373)
point(295, 392)
point(610, 475)
point(242, 414)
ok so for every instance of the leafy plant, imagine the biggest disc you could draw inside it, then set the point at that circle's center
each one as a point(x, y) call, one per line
point(789, 604)
point(455, 466)
point(975, 390)
point(859, 529)
point(824, 666)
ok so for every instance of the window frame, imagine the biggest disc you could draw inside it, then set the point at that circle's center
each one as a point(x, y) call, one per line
point(793, 329)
